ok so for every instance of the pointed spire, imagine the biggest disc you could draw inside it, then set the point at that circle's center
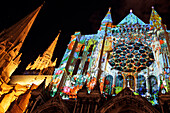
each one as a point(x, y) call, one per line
point(6, 101)
point(155, 19)
point(54, 63)
point(51, 48)
point(36, 63)
point(108, 17)
point(29, 66)
point(96, 88)
point(40, 88)
point(17, 59)
point(45, 60)
point(24, 100)
point(16, 34)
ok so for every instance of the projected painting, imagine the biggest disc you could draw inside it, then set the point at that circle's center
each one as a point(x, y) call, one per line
point(131, 54)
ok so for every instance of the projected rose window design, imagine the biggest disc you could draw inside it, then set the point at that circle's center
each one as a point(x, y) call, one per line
point(131, 57)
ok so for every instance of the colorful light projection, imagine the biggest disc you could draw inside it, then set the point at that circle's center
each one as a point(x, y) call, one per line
point(131, 57)
point(135, 55)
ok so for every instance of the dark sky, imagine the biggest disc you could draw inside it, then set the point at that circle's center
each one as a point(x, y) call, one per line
point(70, 16)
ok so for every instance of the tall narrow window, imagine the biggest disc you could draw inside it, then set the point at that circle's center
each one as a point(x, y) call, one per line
point(141, 85)
point(108, 84)
point(76, 67)
point(87, 60)
point(81, 51)
point(153, 86)
point(90, 50)
point(85, 67)
point(78, 61)
point(119, 81)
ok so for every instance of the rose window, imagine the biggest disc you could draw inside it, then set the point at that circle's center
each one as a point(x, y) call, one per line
point(131, 57)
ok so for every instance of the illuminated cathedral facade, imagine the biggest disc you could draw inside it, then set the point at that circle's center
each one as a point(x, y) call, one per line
point(132, 55)
point(123, 68)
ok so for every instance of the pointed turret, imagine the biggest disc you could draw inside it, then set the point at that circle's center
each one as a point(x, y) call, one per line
point(21, 103)
point(17, 59)
point(107, 21)
point(11, 42)
point(108, 17)
point(44, 61)
point(155, 19)
point(29, 66)
point(53, 63)
point(51, 48)
point(40, 88)
point(6, 101)
point(17, 33)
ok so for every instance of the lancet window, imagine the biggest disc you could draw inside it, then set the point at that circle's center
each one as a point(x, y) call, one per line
point(78, 61)
point(119, 81)
point(141, 85)
point(108, 84)
point(153, 86)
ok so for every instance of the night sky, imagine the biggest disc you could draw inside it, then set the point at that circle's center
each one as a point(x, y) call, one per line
point(70, 16)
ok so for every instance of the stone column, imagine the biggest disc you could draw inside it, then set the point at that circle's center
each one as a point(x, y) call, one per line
point(135, 83)
point(124, 81)
point(147, 84)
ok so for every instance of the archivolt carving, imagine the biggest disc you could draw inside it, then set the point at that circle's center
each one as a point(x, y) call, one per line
point(53, 107)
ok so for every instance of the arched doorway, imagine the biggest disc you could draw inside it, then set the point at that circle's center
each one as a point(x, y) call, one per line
point(52, 109)
point(127, 102)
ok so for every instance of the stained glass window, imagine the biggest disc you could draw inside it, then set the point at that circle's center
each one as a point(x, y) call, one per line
point(108, 84)
point(141, 85)
point(153, 86)
point(119, 83)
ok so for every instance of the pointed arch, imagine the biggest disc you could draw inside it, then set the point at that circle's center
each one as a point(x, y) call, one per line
point(54, 105)
point(79, 60)
point(141, 85)
point(153, 84)
point(108, 84)
point(119, 81)
point(127, 102)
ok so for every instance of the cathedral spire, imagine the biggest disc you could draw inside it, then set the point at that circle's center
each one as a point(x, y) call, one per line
point(155, 20)
point(108, 17)
point(51, 48)
point(107, 21)
point(17, 33)
point(12, 40)
point(44, 61)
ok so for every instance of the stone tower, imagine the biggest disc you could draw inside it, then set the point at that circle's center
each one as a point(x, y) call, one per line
point(43, 63)
point(11, 41)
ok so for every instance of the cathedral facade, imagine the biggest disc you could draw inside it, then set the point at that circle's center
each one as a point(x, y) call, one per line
point(123, 68)
point(132, 55)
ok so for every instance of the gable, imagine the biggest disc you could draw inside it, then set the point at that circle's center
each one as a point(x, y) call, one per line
point(131, 19)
